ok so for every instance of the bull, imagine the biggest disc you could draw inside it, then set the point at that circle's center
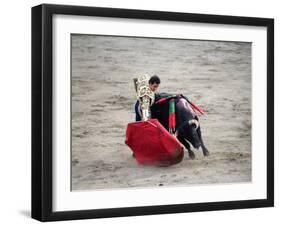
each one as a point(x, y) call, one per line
point(188, 130)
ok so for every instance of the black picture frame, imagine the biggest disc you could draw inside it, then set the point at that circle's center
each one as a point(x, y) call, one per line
point(42, 111)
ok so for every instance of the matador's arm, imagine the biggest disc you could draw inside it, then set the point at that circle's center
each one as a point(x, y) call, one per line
point(145, 96)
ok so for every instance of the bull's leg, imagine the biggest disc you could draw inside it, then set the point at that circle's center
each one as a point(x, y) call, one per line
point(204, 149)
point(187, 146)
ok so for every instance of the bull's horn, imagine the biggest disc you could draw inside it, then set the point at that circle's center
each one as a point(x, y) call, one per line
point(195, 122)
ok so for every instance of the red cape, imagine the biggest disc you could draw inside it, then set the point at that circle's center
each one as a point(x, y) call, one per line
point(152, 144)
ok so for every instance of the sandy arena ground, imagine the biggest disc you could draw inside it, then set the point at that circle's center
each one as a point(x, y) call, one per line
point(215, 75)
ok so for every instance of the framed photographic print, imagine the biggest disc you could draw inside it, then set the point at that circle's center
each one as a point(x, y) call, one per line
point(139, 112)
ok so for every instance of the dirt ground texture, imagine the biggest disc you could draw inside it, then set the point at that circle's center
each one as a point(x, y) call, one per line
point(215, 75)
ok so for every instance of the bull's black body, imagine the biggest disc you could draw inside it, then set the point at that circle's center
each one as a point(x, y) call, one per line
point(186, 133)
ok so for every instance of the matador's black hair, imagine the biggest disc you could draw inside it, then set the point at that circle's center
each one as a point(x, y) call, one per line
point(154, 79)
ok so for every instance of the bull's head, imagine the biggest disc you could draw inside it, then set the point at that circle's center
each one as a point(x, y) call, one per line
point(190, 133)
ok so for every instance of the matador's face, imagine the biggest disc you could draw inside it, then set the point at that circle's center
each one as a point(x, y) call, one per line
point(153, 86)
